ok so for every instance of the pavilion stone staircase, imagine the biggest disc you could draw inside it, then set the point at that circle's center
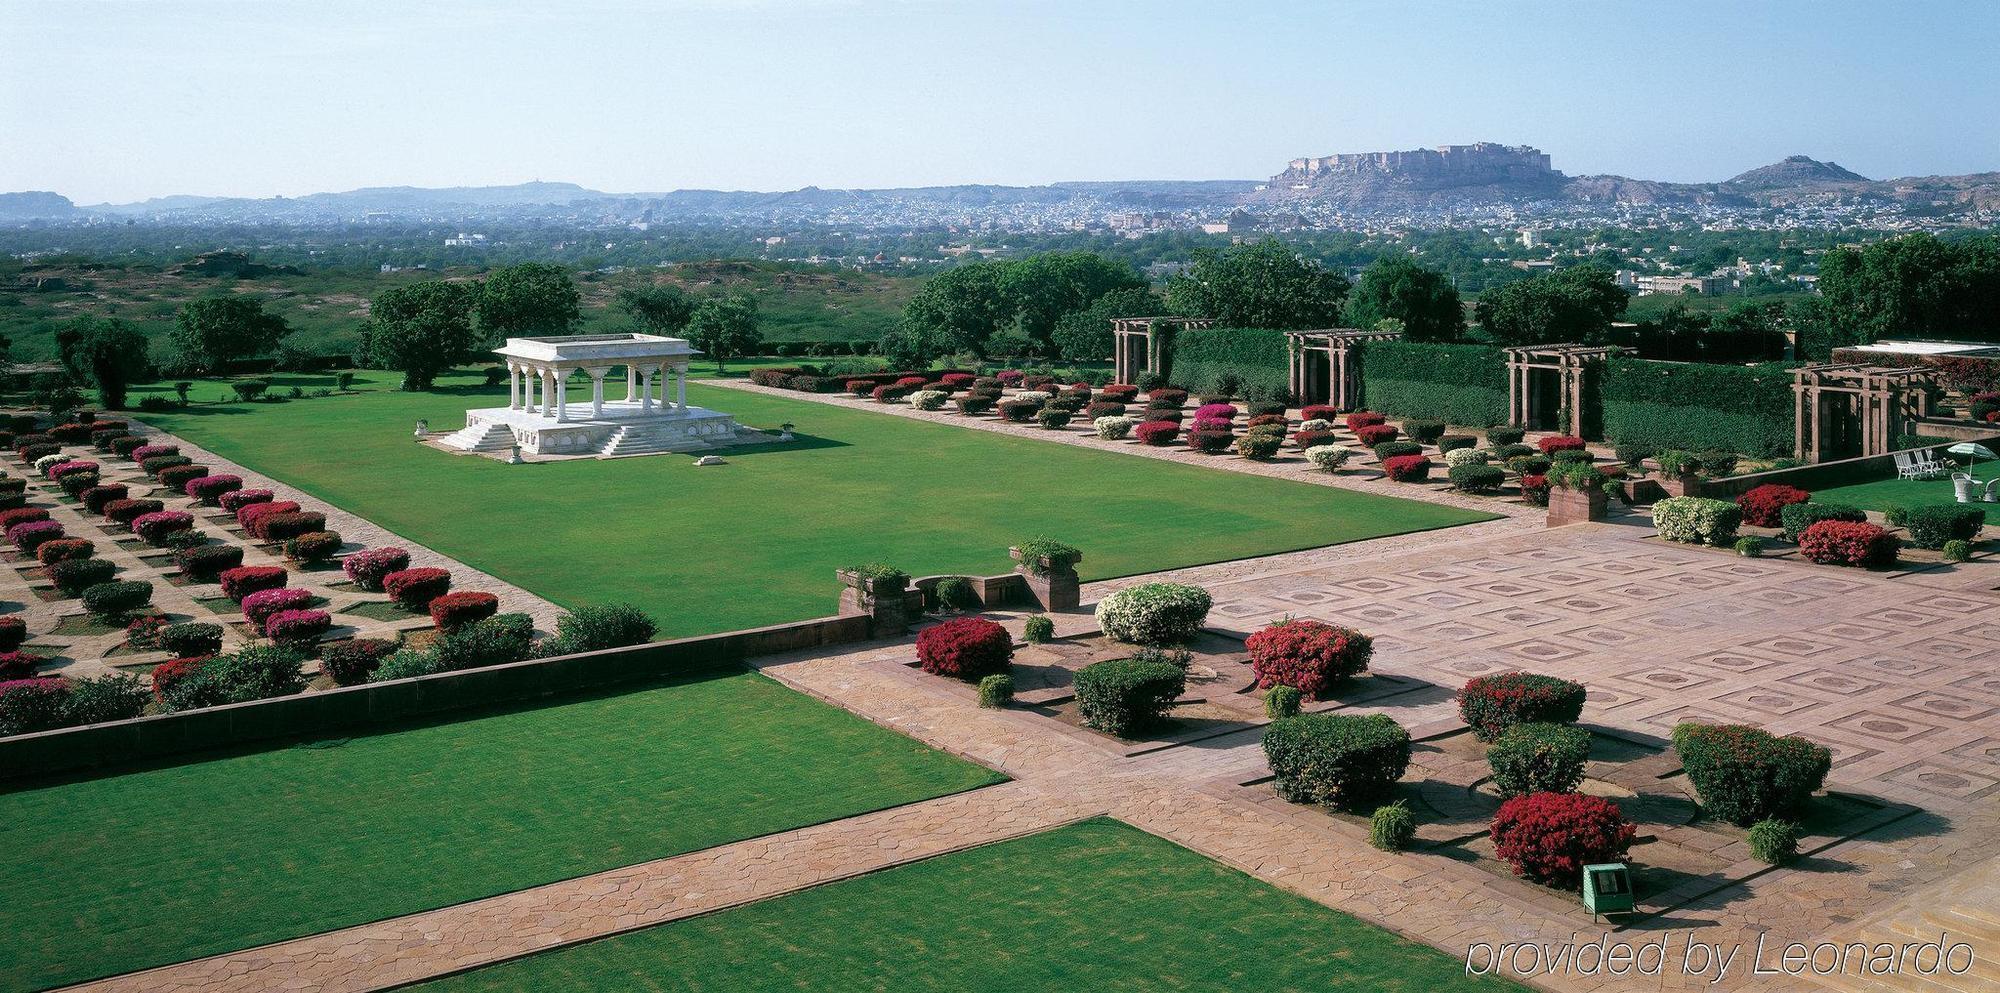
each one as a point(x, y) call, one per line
point(484, 438)
point(1965, 906)
point(648, 439)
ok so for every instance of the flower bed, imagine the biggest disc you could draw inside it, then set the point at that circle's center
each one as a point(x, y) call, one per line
point(235, 500)
point(965, 648)
point(1849, 543)
point(1550, 837)
point(1561, 443)
point(64, 549)
point(247, 516)
point(1158, 434)
point(297, 627)
point(30, 535)
point(1764, 506)
point(1407, 469)
point(1376, 434)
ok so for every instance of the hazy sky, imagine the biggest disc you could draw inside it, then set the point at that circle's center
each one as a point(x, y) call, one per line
point(125, 100)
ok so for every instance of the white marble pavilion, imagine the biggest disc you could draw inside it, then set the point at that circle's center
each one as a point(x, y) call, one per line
point(542, 419)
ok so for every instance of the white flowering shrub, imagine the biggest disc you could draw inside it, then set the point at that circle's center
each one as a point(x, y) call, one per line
point(1114, 428)
point(1464, 456)
point(929, 399)
point(1154, 613)
point(1697, 520)
point(1316, 424)
point(1329, 457)
point(1034, 396)
point(42, 464)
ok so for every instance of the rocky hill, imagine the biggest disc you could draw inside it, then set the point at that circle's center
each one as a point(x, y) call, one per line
point(35, 206)
point(1794, 170)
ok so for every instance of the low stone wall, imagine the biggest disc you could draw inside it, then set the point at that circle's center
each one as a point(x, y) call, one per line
point(356, 708)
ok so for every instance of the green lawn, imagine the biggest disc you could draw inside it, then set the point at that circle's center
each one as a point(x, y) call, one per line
point(756, 542)
point(1885, 493)
point(1094, 906)
point(160, 865)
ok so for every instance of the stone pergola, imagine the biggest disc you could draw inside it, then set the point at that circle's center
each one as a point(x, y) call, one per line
point(648, 359)
point(1569, 362)
point(1852, 409)
point(1322, 366)
point(1136, 349)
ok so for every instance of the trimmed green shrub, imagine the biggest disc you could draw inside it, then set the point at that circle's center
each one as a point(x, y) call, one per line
point(73, 576)
point(1473, 478)
point(1774, 841)
point(114, 600)
point(1744, 774)
point(1425, 431)
point(1698, 520)
point(1397, 449)
point(1957, 550)
point(406, 664)
point(1154, 613)
point(1121, 696)
point(996, 690)
point(1539, 758)
point(191, 638)
point(1454, 442)
point(1697, 406)
point(1226, 361)
point(955, 593)
point(599, 626)
point(1933, 525)
point(1344, 760)
point(1490, 705)
point(1502, 435)
point(1282, 702)
point(1259, 447)
point(1391, 829)
point(1796, 518)
point(495, 640)
point(256, 673)
point(1750, 546)
point(1462, 384)
point(1037, 629)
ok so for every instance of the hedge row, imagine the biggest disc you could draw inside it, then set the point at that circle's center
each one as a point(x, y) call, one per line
point(1459, 384)
point(1205, 361)
point(1746, 409)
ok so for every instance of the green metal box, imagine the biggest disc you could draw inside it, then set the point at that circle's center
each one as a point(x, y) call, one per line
point(1607, 889)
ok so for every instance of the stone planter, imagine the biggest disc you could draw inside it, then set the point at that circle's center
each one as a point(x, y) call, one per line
point(1056, 587)
point(1572, 506)
point(891, 604)
point(1675, 486)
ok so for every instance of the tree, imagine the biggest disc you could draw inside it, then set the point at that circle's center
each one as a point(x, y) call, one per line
point(957, 310)
point(420, 330)
point(1576, 304)
point(211, 331)
point(1085, 335)
point(108, 353)
point(725, 328)
point(1041, 290)
point(1914, 286)
point(1423, 299)
point(661, 310)
point(1260, 285)
point(526, 300)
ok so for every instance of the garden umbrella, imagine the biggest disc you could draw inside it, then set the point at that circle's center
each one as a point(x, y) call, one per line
point(1976, 451)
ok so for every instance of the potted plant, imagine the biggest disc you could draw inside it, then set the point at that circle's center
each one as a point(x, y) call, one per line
point(1576, 494)
point(1042, 556)
point(1680, 472)
point(874, 579)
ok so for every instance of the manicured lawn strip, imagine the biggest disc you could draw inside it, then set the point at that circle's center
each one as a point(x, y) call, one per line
point(161, 865)
point(1093, 906)
point(756, 542)
point(1906, 493)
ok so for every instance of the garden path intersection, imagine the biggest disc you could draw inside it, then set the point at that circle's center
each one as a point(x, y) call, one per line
point(1895, 674)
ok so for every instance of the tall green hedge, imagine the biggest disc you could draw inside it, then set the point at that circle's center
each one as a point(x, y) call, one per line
point(1202, 360)
point(1747, 409)
point(1461, 384)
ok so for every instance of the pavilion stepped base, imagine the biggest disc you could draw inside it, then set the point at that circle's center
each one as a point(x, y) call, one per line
point(619, 431)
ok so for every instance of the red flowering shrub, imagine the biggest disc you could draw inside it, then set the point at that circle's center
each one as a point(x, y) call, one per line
point(250, 517)
point(1319, 412)
point(244, 580)
point(965, 648)
point(1119, 392)
point(890, 394)
point(97, 496)
point(13, 631)
point(70, 434)
point(63, 549)
point(957, 380)
point(21, 515)
point(350, 662)
point(1215, 411)
point(259, 607)
point(166, 674)
point(176, 478)
point(368, 567)
point(1560, 443)
point(860, 387)
point(1009, 377)
point(455, 610)
point(1835, 543)
point(1310, 656)
point(1274, 419)
point(1550, 837)
point(1762, 505)
point(297, 626)
point(1407, 468)
point(73, 466)
point(1158, 434)
point(313, 546)
point(1365, 419)
point(236, 500)
point(209, 489)
point(1376, 434)
point(416, 588)
point(127, 511)
point(144, 452)
point(1312, 439)
point(19, 665)
point(1490, 705)
point(285, 527)
point(1535, 489)
point(153, 528)
point(31, 535)
point(912, 382)
point(143, 633)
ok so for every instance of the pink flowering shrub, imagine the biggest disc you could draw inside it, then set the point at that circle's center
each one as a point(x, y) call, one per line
point(144, 452)
point(297, 626)
point(367, 568)
point(29, 536)
point(238, 499)
point(209, 489)
point(259, 607)
point(244, 580)
point(1223, 411)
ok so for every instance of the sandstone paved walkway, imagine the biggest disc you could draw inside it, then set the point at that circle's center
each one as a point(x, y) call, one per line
point(1895, 674)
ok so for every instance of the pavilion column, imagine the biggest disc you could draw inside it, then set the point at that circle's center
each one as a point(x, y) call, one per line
point(513, 389)
point(681, 389)
point(631, 383)
point(548, 392)
point(528, 388)
point(597, 390)
point(562, 395)
point(646, 388)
